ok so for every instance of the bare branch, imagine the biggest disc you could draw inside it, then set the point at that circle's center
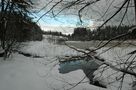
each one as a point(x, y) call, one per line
point(103, 61)
point(114, 13)
point(117, 37)
point(49, 10)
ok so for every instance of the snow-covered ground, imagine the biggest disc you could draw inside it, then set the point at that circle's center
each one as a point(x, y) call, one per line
point(111, 77)
point(27, 73)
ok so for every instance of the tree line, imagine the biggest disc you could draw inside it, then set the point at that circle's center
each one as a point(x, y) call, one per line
point(55, 33)
point(105, 33)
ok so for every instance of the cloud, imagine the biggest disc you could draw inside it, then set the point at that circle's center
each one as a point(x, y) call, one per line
point(63, 29)
point(99, 12)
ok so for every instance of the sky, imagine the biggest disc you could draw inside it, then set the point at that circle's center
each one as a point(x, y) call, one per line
point(93, 16)
point(61, 23)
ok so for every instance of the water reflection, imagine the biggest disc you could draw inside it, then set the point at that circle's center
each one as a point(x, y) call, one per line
point(88, 68)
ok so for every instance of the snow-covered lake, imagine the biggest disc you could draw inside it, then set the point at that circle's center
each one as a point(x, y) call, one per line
point(27, 73)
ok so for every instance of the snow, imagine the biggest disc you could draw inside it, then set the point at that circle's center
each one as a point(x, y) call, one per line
point(44, 48)
point(110, 77)
point(23, 73)
point(26, 73)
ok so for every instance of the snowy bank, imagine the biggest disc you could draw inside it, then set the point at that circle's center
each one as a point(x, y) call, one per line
point(26, 73)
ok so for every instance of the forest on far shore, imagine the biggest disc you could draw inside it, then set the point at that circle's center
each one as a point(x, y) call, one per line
point(105, 33)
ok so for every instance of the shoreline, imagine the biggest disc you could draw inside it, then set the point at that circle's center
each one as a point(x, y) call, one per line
point(96, 43)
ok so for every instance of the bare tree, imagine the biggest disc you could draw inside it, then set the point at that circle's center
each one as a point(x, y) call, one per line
point(13, 15)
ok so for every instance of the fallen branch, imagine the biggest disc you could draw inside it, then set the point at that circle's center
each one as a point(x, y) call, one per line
point(103, 61)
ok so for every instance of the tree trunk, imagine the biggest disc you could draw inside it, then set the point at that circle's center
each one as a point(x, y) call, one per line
point(2, 5)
